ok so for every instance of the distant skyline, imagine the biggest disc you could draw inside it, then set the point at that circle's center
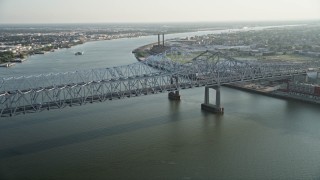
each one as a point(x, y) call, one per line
point(120, 11)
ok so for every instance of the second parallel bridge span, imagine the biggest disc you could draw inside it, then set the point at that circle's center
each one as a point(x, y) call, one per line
point(19, 95)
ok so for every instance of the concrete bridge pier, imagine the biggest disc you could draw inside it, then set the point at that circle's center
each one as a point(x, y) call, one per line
point(215, 108)
point(175, 95)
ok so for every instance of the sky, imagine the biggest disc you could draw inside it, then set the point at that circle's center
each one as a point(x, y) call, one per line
point(120, 11)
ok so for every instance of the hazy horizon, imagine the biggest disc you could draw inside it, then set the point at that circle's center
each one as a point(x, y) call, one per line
point(148, 11)
point(167, 22)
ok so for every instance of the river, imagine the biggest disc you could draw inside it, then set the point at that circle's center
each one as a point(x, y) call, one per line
point(150, 137)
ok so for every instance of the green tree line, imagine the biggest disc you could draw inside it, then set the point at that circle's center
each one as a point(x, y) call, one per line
point(6, 56)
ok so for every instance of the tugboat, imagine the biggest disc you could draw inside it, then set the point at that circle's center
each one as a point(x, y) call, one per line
point(78, 53)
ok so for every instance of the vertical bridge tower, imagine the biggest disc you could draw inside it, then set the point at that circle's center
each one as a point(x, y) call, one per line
point(205, 72)
point(215, 108)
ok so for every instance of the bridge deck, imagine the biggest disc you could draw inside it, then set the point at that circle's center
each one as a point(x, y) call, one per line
point(54, 91)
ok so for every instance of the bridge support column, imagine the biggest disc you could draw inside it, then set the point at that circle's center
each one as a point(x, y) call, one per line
point(206, 106)
point(175, 95)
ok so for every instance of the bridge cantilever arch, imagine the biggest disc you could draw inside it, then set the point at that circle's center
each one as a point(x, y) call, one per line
point(157, 74)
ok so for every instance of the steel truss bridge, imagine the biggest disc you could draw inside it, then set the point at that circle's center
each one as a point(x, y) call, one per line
point(157, 74)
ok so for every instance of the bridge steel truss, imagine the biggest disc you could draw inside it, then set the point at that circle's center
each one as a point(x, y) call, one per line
point(158, 74)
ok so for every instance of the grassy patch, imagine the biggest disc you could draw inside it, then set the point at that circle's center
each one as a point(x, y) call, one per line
point(290, 57)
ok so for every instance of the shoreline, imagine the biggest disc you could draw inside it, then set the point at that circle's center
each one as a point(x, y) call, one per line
point(142, 49)
point(274, 94)
point(8, 64)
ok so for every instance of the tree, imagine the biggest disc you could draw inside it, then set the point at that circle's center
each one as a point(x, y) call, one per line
point(6, 56)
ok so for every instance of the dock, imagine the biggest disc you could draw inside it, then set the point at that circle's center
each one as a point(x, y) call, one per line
point(7, 64)
point(18, 60)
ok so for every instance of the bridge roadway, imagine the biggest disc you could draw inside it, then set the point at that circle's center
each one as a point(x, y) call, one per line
point(29, 94)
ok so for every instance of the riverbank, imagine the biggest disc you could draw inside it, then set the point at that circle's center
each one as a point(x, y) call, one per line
point(14, 44)
point(275, 94)
point(141, 53)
